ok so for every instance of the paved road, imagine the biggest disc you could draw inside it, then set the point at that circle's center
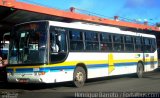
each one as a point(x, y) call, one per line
point(125, 83)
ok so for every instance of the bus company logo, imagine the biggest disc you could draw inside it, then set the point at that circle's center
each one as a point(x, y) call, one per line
point(9, 95)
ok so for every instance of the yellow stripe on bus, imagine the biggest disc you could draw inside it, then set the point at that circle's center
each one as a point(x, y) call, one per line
point(110, 63)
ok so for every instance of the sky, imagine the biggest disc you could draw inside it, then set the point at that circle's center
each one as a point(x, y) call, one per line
point(136, 10)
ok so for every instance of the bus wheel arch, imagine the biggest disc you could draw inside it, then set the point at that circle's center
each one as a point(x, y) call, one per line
point(80, 75)
point(140, 69)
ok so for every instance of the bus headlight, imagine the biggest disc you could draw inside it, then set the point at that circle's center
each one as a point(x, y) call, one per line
point(9, 74)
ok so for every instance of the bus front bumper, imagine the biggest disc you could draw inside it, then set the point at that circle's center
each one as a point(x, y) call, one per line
point(28, 78)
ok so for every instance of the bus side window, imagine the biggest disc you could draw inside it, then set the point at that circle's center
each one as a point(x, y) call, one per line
point(58, 42)
point(58, 45)
point(91, 41)
point(62, 42)
point(138, 44)
point(153, 45)
point(76, 40)
point(147, 45)
point(53, 43)
point(129, 46)
point(105, 42)
point(118, 43)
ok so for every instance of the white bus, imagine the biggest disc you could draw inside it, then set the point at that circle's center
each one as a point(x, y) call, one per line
point(50, 52)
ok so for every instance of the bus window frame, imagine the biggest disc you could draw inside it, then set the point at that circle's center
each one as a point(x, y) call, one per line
point(122, 43)
point(106, 42)
point(97, 41)
point(140, 44)
point(150, 44)
point(56, 53)
point(76, 40)
point(129, 43)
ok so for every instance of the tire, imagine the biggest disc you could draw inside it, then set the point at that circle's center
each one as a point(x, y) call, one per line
point(140, 70)
point(79, 77)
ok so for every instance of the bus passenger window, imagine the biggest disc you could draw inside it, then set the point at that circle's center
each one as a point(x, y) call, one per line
point(118, 43)
point(58, 42)
point(58, 45)
point(138, 44)
point(76, 40)
point(153, 45)
point(129, 46)
point(91, 41)
point(106, 42)
point(147, 45)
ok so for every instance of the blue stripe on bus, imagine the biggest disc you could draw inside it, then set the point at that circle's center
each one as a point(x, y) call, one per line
point(23, 70)
point(9, 70)
point(116, 65)
point(148, 63)
point(97, 65)
point(125, 64)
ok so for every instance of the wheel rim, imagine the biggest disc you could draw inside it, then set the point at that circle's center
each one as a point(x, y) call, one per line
point(140, 70)
point(79, 77)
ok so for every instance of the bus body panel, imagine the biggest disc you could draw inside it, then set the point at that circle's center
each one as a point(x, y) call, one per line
point(97, 66)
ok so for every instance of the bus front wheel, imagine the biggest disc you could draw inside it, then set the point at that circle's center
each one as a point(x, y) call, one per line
point(140, 70)
point(79, 77)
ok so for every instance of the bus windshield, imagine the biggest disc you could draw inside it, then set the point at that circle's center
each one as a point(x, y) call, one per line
point(28, 44)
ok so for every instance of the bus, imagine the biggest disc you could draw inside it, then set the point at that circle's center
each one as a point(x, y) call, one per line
point(51, 52)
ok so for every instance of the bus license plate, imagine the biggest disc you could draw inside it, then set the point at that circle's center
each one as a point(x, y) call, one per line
point(23, 80)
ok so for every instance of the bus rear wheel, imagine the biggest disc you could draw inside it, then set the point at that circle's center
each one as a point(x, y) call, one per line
point(140, 70)
point(79, 77)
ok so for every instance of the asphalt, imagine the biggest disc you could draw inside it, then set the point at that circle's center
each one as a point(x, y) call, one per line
point(115, 86)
